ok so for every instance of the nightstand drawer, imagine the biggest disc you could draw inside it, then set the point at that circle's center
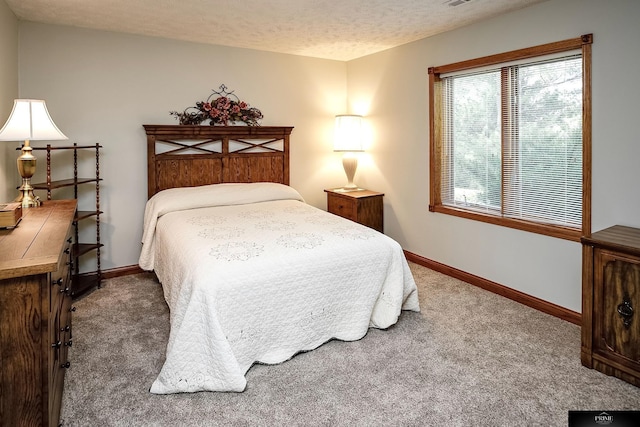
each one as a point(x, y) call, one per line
point(361, 206)
point(344, 208)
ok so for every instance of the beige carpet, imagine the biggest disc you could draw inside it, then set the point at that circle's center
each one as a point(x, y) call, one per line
point(470, 358)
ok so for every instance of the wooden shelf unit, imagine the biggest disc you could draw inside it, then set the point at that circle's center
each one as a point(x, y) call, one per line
point(81, 282)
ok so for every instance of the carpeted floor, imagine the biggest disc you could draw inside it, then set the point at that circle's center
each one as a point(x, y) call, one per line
point(470, 358)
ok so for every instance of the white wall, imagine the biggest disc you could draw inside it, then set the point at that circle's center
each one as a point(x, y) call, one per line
point(9, 177)
point(391, 88)
point(102, 87)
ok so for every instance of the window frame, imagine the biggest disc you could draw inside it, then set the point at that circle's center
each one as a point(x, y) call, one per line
point(436, 140)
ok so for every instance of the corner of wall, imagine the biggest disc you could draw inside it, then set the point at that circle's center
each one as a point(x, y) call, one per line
point(8, 92)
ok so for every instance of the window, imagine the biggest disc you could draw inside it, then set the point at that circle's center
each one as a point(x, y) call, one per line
point(511, 139)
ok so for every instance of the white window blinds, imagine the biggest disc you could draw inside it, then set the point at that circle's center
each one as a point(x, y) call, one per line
point(543, 141)
point(513, 141)
point(472, 158)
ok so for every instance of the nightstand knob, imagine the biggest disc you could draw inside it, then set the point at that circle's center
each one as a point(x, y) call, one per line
point(56, 344)
point(69, 343)
point(625, 310)
point(65, 329)
point(57, 282)
point(66, 365)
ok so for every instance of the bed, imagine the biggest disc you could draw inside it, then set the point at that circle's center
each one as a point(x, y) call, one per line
point(250, 272)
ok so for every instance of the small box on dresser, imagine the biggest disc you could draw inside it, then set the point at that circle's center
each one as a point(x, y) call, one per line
point(610, 300)
point(10, 214)
point(35, 314)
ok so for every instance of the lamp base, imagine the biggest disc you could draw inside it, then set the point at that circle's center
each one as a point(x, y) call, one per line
point(27, 167)
point(26, 198)
point(350, 165)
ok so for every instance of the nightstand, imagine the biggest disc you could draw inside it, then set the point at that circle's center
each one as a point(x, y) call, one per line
point(361, 206)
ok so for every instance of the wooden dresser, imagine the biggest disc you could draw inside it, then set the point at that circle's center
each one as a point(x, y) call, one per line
point(362, 206)
point(35, 314)
point(611, 301)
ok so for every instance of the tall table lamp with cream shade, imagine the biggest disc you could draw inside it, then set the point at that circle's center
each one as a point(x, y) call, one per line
point(348, 140)
point(29, 121)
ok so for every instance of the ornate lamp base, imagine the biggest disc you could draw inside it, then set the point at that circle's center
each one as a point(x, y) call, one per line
point(26, 197)
point(27, 167)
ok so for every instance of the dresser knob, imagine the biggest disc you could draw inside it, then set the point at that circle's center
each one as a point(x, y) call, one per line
point(57, 282)
point(625, 310)
point(72, 309)
point(65, 329)
point(64, 290)
point(66, 365)
point(68, 343)
point(67, 251)
point(56, 344)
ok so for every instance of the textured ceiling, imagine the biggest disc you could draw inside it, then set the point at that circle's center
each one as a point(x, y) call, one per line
point(331, 29)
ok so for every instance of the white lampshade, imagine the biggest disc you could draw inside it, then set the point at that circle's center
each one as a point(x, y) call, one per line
point(30, 120)
point(348, 133)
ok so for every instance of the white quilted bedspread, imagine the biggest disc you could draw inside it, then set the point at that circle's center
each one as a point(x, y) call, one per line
point(259, 282)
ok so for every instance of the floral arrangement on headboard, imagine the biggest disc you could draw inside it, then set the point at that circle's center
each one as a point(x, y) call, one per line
point(221, 108)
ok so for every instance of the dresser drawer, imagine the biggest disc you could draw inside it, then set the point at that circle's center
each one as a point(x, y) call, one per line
point(61, 279)
point(60, 333)
point(60, 327)
point(59, 356)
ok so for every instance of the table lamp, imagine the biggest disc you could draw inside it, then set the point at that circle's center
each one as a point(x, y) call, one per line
point(29, 121)
point(348, 139)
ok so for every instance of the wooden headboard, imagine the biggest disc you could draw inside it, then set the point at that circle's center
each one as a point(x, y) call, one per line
point(192, 155)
